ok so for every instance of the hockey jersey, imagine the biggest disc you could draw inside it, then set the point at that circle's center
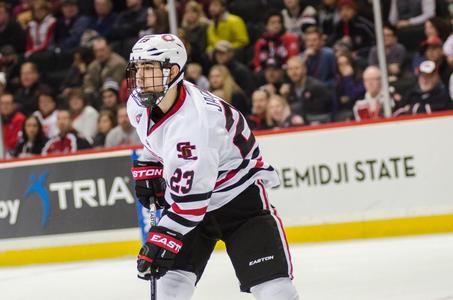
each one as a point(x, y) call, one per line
point(208, 152)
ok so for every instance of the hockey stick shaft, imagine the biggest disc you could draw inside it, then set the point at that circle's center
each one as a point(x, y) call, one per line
point(153, 222)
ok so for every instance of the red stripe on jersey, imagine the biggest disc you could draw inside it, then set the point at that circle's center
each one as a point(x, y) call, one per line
point(259, 164)
point(228, 176)
point(173, 110)
point(192, 212)
point(143, 257)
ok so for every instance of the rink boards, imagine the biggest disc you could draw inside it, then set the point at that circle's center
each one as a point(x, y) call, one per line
point(338, 181)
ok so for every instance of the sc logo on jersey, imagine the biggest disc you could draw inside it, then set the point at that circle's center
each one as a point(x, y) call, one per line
point(185, 150)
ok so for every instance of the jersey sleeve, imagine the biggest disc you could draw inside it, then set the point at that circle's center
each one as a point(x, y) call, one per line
point(190, 171)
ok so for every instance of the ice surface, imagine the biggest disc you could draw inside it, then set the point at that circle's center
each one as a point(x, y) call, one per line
point(398, 268)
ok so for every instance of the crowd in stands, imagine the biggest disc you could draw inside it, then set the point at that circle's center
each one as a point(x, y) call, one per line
point(281, 63)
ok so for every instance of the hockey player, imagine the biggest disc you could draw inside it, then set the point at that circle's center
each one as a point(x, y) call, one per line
point(202, 165)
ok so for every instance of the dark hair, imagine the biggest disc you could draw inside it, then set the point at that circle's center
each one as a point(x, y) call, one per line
point(313, 29)
point(274, 13)
point(77, 93)
point(45, 91)
point(40, 136)
point(108, 114)
point(390, 27)
point(443, 27)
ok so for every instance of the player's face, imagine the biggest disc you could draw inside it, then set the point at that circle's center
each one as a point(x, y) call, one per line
point(149, 77)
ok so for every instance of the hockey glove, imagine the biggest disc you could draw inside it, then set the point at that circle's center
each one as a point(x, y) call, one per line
point(149, 183)
point(158, 254)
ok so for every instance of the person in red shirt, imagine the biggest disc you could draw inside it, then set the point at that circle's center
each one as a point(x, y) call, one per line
point(275, 42)
point(12, 121)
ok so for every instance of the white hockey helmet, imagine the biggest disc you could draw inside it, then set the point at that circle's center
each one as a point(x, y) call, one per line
point(167, 50)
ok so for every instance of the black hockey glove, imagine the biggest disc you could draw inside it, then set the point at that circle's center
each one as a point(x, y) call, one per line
point(149, 183)
point(158, 254)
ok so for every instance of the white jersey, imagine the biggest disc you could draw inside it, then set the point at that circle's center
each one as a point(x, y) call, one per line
point(208, 152)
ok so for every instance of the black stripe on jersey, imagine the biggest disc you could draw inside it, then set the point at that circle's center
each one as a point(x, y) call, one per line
point(243, 165)
point(256, 153)
point(180, 220)
point(228, 115)
point(191, 198)
point(244, 178)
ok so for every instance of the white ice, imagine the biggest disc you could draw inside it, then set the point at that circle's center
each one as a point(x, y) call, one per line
point(397, 268)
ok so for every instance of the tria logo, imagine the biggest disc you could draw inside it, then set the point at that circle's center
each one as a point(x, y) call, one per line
point(260, 260)
point(38, 186)
point(165, 241)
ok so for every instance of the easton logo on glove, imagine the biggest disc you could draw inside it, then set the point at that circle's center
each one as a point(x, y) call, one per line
point(141, 173)
point(165, 241)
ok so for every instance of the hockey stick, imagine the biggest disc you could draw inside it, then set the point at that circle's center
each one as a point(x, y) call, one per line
point(153, 222)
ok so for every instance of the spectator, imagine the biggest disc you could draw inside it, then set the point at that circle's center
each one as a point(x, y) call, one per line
point(275, 42)
point(408, 16)
point(22, 12)
point(194, 74)
point(106, 122)
point(395, 52)
point(32, 138)
point(67, 140)
point(76, 73)
point(10, 63)
point(328, 17)
point(224, 55)
point(273, 76)
point(353, 29)
point(128, 25)
point(405, 13)
point(123, 134)
point(225, 26)
point(320, 61)
point(41, 29)
point(260, 101)
point(195, 26)
point(2, 82)
point(307, 96)
point(27, 95)
point(83, 116)
point(110, 96)
point(296, 17)
point(371, 107)
point(47, 112)
point(12, 121)
point(437, 26)
point(107, 64)
point(350, 88)
point(429, 95)
point(431, 49)
point(104, 18)
point(70, 26)
point(279, 114)
point(221, 79)
point(151, 23)
point(11, 33)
